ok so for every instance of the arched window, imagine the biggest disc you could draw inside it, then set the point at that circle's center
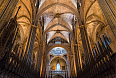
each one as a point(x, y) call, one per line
point(57, 66)
point(106, 40)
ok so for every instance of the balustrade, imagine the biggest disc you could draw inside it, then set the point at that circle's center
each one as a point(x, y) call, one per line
point(63, 73)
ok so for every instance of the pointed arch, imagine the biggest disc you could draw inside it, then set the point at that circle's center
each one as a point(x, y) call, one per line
point(56, 35)
point(58, 45)
point(73, 10)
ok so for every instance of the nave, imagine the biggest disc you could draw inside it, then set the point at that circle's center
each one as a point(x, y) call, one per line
point(57, 38)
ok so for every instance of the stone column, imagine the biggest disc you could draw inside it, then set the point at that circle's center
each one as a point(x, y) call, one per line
point(40, 58)
point(86, 45)
point(30, 44)
point(80, 63)
point(76, 56)
point(44, 66)
point(72, 74)
point(48, 70)
point(68, 65)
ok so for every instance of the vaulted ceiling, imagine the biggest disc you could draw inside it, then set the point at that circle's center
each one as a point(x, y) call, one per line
point(57, 18)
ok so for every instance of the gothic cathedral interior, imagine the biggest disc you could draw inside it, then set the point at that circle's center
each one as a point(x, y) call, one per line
point(57, 38)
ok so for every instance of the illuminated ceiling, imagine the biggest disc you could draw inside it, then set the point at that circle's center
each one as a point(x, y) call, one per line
point(58, 20)
point(59, 17)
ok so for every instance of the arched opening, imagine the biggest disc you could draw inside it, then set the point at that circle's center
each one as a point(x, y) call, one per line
point(58, 58)
point(58, 64)
point(57, 38)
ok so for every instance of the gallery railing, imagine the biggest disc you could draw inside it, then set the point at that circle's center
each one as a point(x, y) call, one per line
point(63, 73)
point(58, 72)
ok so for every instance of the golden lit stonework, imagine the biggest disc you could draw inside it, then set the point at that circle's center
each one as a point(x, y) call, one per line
point(57, 38)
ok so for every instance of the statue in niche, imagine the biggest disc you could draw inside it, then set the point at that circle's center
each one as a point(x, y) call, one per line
point(58, 66)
